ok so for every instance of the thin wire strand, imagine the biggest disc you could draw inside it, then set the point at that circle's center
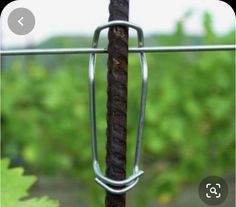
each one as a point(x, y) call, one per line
point(161, 49)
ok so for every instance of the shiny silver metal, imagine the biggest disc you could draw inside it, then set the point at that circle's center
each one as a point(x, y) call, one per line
point(117, 186)
point(184, 48)
point(54, 51)
point(158, 49)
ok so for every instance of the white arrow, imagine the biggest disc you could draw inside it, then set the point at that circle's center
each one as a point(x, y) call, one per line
point(20, 21)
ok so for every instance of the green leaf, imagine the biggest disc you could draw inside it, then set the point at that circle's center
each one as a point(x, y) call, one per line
point(15, 188)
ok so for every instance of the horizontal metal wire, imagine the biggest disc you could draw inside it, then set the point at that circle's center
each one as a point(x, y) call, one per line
point(160, 49)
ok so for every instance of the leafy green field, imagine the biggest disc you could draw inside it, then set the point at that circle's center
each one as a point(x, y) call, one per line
point(189, 122)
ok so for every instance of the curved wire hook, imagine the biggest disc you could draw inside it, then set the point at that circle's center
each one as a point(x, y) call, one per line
point(116, 191)
point(104, 181)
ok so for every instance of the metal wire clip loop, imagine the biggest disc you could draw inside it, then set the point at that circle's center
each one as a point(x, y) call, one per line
point(117, 186)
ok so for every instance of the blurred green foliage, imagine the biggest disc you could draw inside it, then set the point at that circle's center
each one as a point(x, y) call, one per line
point(189, 122)
point(15, 187)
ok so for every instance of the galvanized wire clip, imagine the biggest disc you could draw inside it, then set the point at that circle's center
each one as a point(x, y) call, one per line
point(117, 186)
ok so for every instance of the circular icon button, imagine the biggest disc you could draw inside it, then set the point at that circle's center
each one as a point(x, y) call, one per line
point(21, 21)
point(213, 190)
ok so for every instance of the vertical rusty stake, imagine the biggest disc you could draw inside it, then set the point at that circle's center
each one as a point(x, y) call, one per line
point(117, 99)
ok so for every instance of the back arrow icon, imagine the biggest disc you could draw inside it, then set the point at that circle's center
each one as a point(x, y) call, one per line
point(20, 21)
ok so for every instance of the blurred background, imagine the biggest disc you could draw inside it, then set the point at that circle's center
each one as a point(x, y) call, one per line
point(189, 123)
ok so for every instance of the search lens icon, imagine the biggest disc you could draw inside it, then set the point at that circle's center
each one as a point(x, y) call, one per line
point(213, 190)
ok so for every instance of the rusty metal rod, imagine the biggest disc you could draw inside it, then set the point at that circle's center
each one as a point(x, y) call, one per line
point(117, 92)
